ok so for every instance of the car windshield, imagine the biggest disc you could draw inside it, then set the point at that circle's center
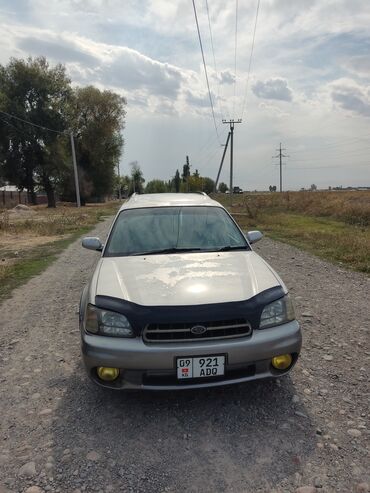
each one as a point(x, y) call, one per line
point(173, 229)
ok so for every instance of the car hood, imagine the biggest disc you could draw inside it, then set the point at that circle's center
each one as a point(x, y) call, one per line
point(184, 279)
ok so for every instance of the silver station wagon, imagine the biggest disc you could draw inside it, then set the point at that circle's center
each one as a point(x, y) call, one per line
point(178, 299)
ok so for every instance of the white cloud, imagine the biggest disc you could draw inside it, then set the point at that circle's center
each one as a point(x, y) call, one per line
point(274, 88)
point(358, 65)
point(148, 51)
point(351, 96)
point(118, 67)
point(226, 77)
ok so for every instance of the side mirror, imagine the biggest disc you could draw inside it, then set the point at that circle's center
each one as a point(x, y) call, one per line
point(253, 236)
point(92, 243)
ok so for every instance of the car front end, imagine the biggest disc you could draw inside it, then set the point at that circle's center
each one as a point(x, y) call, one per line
point(205, 317)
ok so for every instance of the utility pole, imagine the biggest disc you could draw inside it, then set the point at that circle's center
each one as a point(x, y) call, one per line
point(280, 156)
point(77, 185)
point(119, 182)
point(231, 123)
point(222, 161)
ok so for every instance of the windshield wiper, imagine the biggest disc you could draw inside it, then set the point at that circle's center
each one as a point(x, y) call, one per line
point(167, 250)
point(229, 247)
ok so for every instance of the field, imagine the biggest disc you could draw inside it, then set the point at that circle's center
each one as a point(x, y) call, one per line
point(334, 225)
point(30, 238)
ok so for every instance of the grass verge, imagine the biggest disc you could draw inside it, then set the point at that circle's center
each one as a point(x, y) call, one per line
point(344, 241)
point(19, 263)
point(329, 239)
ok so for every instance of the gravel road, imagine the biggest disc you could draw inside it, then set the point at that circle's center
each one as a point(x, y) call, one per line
point(306, 432)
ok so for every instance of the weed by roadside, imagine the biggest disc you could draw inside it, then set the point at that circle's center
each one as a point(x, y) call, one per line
point(332, 225)
point(30, 240)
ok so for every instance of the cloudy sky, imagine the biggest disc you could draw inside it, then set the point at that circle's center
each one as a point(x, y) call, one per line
point(309, 86)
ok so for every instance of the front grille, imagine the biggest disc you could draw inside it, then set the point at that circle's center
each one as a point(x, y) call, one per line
point(177, 332)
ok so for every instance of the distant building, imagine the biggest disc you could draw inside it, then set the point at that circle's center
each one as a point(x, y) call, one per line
point(10, 196)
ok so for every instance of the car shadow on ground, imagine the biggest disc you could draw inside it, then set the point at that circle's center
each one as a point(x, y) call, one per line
point(219, 439)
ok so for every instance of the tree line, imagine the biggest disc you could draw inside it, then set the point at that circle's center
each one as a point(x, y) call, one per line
point(184, 182)
point(40, 108)
point(38, 156)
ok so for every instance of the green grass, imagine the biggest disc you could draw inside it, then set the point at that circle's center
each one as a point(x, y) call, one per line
point(35, 261)
point(32, 261)
point(330, 239)
point(334, 225)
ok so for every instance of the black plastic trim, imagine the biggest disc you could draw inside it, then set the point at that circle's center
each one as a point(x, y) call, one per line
point(139, 315)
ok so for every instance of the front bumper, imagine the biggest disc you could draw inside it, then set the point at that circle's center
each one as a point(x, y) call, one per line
point(153, 366)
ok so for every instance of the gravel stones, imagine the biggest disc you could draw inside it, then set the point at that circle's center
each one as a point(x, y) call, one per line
point(328, 357)
point(363, 488)
point(34, 489)
point(28, 470)
point(45, 412)
point(93, 456)
point(252, 437)
point(354, 433)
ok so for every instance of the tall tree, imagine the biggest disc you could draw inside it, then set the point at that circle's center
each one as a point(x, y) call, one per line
point(98, 117)
point(185, 172)
point(208, 185)
point(222, 187)
point(31, 156)
point(157, 186)
point(177, 181)
point(137, 178)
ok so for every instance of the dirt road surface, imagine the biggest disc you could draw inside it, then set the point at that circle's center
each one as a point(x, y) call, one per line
point(60, 433)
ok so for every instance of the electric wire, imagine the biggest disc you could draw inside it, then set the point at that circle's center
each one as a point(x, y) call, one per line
point(11, 125)
point(235, 52)
point(203, 156)
point(330, 147)
point(250, 59)
point(209, 141)
point(31, 123)
point(349, 166)
point(205, 70)
point(214, 59)
point(345, 153)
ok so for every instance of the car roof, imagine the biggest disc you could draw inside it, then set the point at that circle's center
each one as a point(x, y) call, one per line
point(137, 201)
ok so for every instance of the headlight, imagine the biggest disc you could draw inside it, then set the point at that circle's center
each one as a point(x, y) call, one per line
point(277, 313)
point(107, 323)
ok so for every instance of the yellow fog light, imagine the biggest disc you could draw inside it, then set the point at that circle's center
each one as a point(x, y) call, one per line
point(282, 362)
point(107, 374)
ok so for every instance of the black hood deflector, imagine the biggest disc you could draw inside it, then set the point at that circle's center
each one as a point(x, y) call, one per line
point(140, 316)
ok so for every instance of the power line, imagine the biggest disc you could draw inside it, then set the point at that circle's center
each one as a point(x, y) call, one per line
point(335, 166)
point(11, 125)
point(250, 59)
point(209, 141)
point(31, 123)
point(205, 70)
point(235, 52)
point(333, 145)
point(214, 56)
point(346, 154)
point(77, 186)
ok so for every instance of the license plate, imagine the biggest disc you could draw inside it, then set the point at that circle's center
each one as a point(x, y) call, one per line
point(204, 366)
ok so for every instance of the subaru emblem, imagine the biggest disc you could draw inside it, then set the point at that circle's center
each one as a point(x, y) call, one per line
point(198, 330)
